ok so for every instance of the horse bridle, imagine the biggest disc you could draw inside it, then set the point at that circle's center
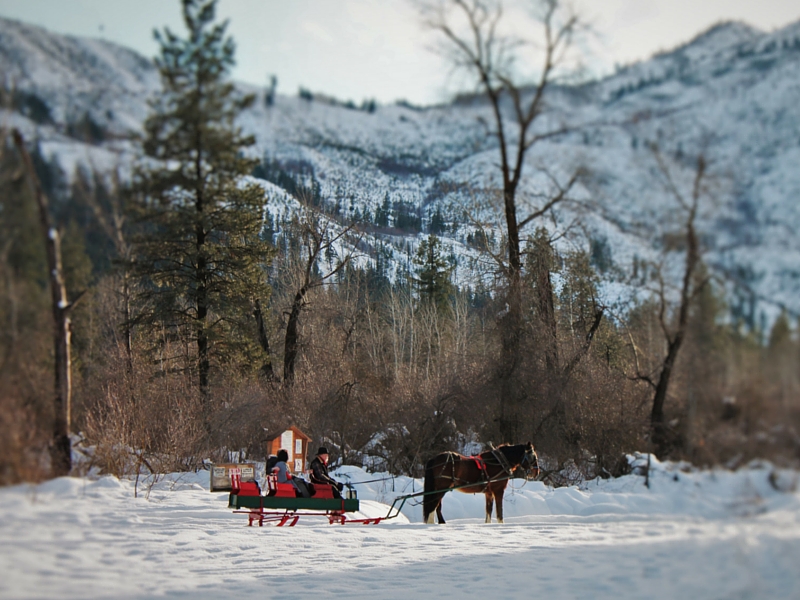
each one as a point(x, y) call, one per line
point(530, 462)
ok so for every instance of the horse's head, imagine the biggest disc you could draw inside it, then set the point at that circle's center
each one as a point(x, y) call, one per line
point(530, 463)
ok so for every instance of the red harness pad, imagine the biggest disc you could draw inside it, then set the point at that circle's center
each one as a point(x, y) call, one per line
point(481, 464)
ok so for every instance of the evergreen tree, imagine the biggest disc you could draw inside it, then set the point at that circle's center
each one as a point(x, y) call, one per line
point(77, 269)
point(781, 334)
point(578, 295)
point(76, 261)
point(437, 222)
point(541, 264)
point(383, 211)
point(433, 273)
point(198, 252)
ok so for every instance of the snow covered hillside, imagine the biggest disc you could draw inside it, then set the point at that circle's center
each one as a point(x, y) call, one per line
point(692, 534)
point(731, 93)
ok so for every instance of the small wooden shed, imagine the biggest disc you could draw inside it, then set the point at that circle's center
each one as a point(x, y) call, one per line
point(295, 442)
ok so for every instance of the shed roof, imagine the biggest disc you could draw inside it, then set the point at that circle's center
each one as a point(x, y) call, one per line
point(294, 429)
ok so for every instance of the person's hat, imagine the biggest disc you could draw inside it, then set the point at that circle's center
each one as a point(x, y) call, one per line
point(322, 450)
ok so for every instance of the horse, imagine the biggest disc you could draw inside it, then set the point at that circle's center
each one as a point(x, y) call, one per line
point(488, 473)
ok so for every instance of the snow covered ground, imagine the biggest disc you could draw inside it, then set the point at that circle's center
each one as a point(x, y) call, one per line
point(692, 534)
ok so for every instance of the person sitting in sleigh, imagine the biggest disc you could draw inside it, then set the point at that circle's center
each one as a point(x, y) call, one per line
point(319, 472)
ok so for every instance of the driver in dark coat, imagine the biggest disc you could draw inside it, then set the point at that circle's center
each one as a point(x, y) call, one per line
point(319, 472)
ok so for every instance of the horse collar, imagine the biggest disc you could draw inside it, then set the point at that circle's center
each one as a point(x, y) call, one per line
point(503, 461)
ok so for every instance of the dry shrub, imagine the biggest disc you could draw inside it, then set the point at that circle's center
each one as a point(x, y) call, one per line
point(608, 419)
point(26, 388)
point(141, 422)
point(244, 412)
point(23, 445)
point(420, 419)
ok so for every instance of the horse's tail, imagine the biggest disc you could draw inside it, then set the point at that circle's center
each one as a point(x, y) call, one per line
point(429, 500)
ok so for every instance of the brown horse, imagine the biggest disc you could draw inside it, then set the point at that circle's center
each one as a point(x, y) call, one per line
point(488, 473)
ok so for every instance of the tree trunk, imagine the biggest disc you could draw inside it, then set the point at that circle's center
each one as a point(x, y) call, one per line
point(203, 365)
point(512, 325)
point(263, 340)
point(127, 326)
point(60, 451)
point(688, 291)
point(657, 424)
point(545, 307)
point(511, 334)
point(512, 228)
point(290, 347)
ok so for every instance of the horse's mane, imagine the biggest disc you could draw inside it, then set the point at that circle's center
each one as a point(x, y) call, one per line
point(498, 447)
point(504, 448)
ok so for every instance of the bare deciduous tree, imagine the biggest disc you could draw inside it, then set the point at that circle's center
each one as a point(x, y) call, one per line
point(60, 451)
point(319, 236)
point(112, 221)
point(474, 43)
point(673, 316)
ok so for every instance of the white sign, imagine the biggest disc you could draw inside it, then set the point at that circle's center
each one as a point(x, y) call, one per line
point(286, 440)
point(298, 447)
point(221, 475)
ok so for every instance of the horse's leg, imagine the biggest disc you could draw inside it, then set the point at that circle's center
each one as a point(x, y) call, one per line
point(431, 499)
point(439, 512)
point(498, 496)
point(435, 507)
point(430, 510)
point(429, 519)
point(489, 501)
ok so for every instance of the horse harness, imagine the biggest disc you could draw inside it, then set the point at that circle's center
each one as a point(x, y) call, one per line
point(480, 463)
point(503, 461)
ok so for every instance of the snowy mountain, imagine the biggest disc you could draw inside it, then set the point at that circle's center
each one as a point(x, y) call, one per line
point(731, 93)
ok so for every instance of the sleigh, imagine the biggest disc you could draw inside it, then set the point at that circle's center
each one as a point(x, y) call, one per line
point(281, 505)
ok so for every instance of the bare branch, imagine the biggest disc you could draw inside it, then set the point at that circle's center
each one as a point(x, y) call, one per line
point(598, 317)
point(668, 179)
point(559, 197)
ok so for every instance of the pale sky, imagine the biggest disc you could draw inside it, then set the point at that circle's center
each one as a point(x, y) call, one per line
point(357, 49)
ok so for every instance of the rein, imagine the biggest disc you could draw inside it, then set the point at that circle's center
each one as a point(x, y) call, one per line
point(350, 483)
point(452, 489)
